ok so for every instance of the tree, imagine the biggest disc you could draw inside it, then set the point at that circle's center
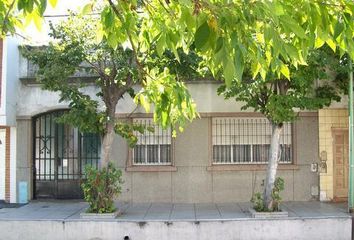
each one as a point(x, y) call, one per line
point(16, 14)
point(310, 87)
point(273, 37)
point(75, 48)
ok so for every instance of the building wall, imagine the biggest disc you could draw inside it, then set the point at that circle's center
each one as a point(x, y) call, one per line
point(24, 155)
point(9, 81)
point(5, 161)
point(1, 71)
point(194, 181)
point(9, 74)
point(34, 100)
point(329, 119)
point(2, 163)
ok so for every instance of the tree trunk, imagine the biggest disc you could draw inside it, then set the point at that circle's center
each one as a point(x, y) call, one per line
point(272, 165)
point(107, 141)
point(109, 134)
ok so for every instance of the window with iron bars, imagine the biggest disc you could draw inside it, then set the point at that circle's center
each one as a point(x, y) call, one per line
point(247, 141)
point(152, 148)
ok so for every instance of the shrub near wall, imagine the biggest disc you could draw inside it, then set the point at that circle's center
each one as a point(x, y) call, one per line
point(101, 187)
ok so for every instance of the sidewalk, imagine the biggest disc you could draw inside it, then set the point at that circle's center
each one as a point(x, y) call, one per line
point(60, 220)
point(70, 210)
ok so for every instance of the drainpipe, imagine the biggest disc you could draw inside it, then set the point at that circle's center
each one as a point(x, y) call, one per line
point(351, 157)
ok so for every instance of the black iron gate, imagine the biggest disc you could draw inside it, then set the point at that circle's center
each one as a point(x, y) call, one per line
point(60, 153)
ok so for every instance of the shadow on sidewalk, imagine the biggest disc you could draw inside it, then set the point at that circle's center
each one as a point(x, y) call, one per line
point(4, 204)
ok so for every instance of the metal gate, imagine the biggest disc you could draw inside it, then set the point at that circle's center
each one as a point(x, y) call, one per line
point(60, 153)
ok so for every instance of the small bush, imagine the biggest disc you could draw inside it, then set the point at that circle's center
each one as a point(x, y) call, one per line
point(278, 187)
point(257, 198)
point(257, 201)
point(100, 187)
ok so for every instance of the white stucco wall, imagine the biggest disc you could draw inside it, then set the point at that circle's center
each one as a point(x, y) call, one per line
point(13, 190)
point(207, 100)
point(3, 85)
point(33, 100)
point(319, 228)
point(10, 80)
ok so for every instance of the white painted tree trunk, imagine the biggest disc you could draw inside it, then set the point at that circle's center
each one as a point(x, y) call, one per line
point(106, 147)
point(273, 160)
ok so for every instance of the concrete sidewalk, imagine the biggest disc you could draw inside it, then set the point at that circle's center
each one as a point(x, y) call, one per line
point(145, 221)
point(70, 210)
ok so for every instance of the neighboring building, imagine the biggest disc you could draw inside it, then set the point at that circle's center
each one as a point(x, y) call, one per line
point(9, 75)
point(220, 157)
point(334, 152)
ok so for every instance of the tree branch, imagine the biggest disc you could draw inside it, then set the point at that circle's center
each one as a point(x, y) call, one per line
point(97, 69)
point(135, 50)
point(163, 5)
point(3, 28)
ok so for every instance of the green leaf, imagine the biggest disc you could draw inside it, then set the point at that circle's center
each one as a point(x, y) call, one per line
point(331, 44)
point(292, 51)
point(108, 18)
point(53, 3)
point(319, 42)
point(42, 6)
point(160, 45)
point(173, 39)
point(20, 5)
point(99, 35)
point(219, 57)
point(229, 72)
point(279, 10)
point(164, 117)
point(202, 35)
point(285, 71)
point(219, 44)
point(175, 53)
point(112, 40)
point(188, 18)
point(144, 103)
point(37, 19)
point(293, 26)
point(255, 68)
point(87, 9)
point(338, 29)
point(239, 65)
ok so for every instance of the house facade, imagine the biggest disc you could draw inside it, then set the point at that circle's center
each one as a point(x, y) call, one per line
point(9, 75)
point(220, 157)
point(334, 152)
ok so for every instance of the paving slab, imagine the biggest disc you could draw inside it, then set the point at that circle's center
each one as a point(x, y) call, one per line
point(303, 210)
point(159, 211)
point(231, 211)
point(208, 211)
point(43, 211)
point(245, 206)
point(135, 212)
point(183, 212)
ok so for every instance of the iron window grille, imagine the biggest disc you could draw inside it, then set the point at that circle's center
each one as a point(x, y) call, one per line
point(152, 148)
point(61, 152)
point(247, 141)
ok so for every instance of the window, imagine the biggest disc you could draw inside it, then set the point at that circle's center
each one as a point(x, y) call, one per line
point(152, 148)
point(247, 141)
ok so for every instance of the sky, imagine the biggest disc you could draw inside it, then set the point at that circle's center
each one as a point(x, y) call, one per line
point(34, 36)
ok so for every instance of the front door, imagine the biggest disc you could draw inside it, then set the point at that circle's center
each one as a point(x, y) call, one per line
point(340, 159)
point(60, 155)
